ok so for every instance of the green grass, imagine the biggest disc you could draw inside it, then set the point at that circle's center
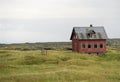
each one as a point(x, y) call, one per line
point(58, 66)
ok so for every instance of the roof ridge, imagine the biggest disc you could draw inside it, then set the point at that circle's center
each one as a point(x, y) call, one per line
point(90, 27)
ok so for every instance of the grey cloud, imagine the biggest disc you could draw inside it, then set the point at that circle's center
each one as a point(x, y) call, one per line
point(53, 20)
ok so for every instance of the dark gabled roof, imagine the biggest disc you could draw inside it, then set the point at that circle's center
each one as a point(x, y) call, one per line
point(89, 33)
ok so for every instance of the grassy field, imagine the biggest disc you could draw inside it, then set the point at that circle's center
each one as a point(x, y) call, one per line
point(58, 66)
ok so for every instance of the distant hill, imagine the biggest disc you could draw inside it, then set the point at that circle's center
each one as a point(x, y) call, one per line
point(37, 46)
point(111, 43)
point(114, 43)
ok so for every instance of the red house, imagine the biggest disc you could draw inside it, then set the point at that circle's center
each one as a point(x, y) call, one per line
point(89, 39)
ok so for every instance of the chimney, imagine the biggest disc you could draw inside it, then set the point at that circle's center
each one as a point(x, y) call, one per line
point(91, 25)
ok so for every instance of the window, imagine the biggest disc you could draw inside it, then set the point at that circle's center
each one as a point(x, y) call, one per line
point(89, 46)
point(95, 46)
point(91, 34)
point(83, 45)
point(101, 45)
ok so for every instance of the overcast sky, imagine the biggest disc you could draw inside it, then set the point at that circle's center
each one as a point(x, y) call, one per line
point(53, 20)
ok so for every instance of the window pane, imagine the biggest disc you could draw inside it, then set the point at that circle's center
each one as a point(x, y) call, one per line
point(89, 46)
point(101, 45)
point(83, 45)
point(95, 45)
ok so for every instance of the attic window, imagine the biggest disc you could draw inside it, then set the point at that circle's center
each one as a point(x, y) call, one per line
point(91, 34)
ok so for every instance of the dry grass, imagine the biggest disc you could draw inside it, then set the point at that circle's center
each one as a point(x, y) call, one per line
point(58, 66)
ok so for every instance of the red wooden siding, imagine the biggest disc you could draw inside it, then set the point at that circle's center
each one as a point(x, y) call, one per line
point(92, 43)
point(77, 45)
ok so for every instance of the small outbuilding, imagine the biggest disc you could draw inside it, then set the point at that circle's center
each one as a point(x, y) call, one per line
point(89, 39)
